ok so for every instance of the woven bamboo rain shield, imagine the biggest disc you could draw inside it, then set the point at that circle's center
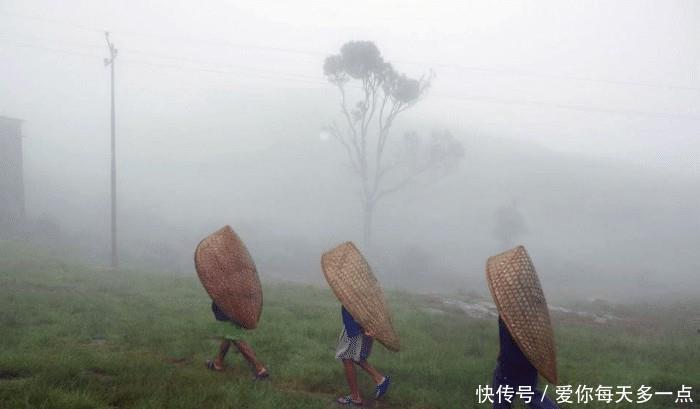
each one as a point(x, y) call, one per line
point(518, 294)
point(351, 279)
point(228, 274)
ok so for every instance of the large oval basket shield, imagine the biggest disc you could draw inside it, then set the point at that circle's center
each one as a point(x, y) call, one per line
point(351, 279)
point(229, 276)
point(518, 295)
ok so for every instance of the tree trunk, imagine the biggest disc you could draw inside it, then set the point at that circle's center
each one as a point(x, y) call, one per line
point(368, 210)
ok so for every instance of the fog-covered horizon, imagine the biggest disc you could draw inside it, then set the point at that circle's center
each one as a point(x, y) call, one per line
point(580, 124)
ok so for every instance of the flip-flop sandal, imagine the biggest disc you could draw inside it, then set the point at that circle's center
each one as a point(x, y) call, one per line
point(261, 376)
point(212, 366)
point(258, 376)
point(347, 400)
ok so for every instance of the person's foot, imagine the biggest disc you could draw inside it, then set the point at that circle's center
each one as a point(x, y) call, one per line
point(382, 387)
point(212, 365)
point(262, 374)
point(348, 400)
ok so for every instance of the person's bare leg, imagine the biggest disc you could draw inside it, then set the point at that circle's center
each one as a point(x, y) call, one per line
point(352, 380)
point(249, 356)
point(223, 349)
point(372, 371)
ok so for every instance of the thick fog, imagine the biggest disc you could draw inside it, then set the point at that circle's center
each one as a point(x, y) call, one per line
point(580, 123)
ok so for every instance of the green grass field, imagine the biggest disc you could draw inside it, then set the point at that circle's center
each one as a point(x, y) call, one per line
point(82, 337)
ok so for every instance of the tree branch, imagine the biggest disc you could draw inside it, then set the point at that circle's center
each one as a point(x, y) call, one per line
point(338, 135)
point(351, 125)
point(407, 181)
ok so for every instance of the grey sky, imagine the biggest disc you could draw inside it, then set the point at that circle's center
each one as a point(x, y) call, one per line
point(510, 68)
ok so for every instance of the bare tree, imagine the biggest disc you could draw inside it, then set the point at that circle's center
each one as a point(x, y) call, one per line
point(382, 94)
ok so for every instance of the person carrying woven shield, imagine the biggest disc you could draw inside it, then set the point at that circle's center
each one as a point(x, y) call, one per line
point(230, 332)
point(354, 347)
point(525, 331)
point(366, 317)
point(514, 370)
point(228, 273)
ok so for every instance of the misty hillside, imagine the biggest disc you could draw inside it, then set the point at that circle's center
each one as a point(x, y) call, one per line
point(585, 218)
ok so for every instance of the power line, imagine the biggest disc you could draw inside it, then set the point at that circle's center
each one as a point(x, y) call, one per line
point(52, 49)
point(546, 75)
point(319, 78)
point(486, 70)
point(267, 74)
point(24, 37)
point(259, 74)
point(572, 107)
point(217, 43)
point(318, 81)
point(226, 65)
point(53, 21)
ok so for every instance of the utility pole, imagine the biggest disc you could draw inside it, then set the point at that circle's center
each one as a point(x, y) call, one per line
point(110, 62)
